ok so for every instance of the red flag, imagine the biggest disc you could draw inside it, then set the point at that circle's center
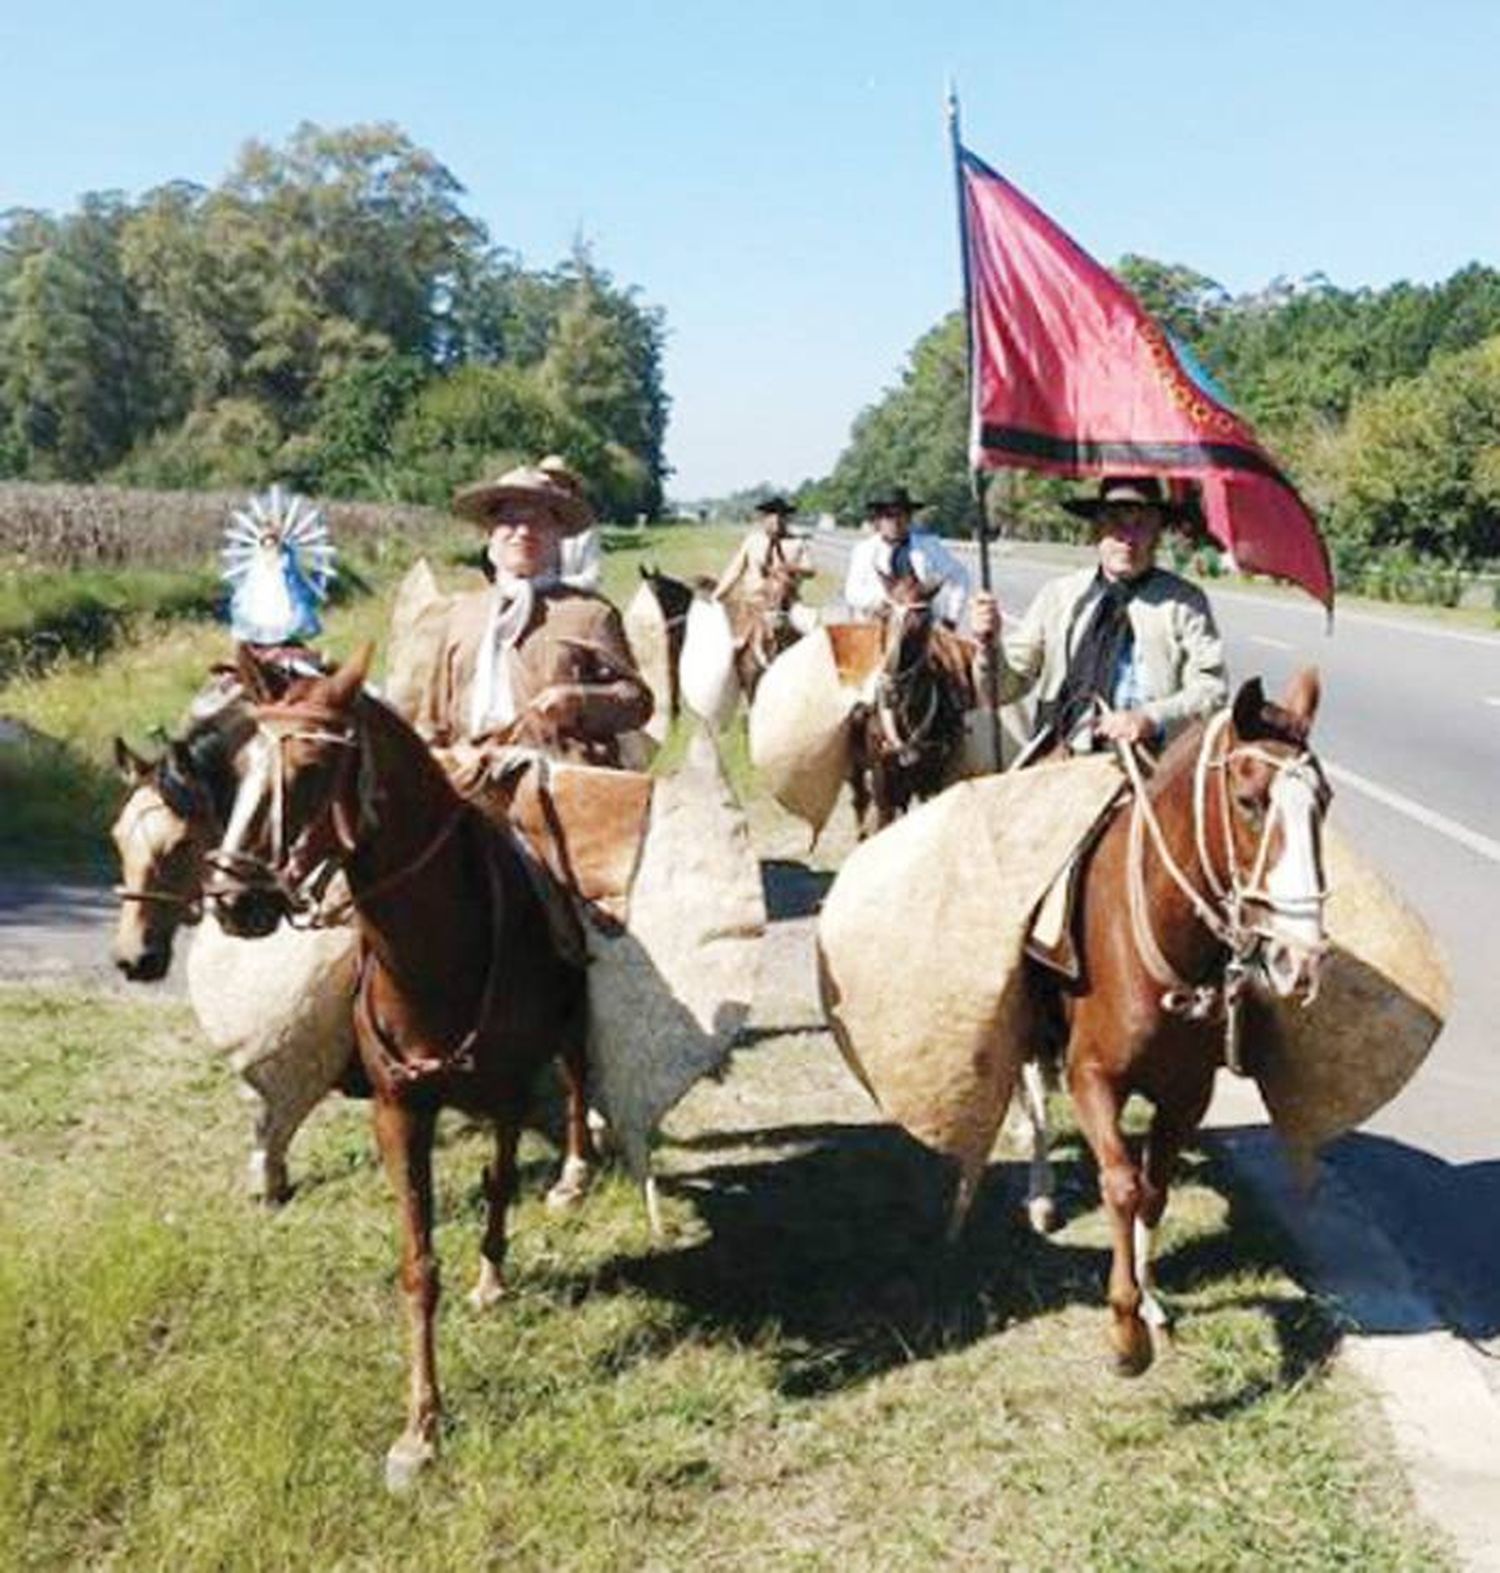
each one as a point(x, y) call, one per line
point(1071, 375)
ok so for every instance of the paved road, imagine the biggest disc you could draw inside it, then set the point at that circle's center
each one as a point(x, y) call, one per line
point(1410, 729)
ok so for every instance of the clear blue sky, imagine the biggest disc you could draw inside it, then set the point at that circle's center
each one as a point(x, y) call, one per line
point(774, 173)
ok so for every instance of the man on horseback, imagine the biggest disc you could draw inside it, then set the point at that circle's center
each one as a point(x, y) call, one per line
point(760, 591)
point(770, 548)
point(1125, 632)
point(534, 657)
point(897, 551)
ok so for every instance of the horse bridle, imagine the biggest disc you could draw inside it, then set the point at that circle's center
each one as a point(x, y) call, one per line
point(178, 798)
point(911, 747)
point(277, 872)
point(1225, 915)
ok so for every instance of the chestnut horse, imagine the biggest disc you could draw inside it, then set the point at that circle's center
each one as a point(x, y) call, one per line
point(904, 739)
point(1208, 879)
point(762, 624)
point(463, 995)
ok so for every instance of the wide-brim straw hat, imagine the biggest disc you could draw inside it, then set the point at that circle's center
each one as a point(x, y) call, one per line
point(550, 484)
point(1117, 491)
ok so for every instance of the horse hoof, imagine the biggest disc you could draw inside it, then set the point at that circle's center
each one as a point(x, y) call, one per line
point(490, 1289)
point(404, 1464)
point(1133, 1351)
point(1041, 1214)
point(572, 1186)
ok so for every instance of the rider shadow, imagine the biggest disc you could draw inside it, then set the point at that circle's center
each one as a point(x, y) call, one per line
point(840, 1247)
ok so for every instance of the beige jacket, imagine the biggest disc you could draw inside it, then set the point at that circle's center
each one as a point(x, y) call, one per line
point(1179, 657)
point(574, 638)
point(754, 559)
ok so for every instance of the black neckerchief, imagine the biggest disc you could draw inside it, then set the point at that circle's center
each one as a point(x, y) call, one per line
point(1106, 643)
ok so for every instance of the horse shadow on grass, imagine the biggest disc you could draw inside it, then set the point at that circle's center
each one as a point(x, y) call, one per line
point(840, 1248)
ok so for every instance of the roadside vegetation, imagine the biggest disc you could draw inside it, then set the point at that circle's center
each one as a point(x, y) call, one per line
point(799, 1375)
point(329, 315)
point(136, 665)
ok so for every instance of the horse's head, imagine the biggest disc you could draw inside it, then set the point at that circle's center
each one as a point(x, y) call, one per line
point(1273, 798)
point(166, 825)
point(907, 617)
point(176, 811)
point(297, 809)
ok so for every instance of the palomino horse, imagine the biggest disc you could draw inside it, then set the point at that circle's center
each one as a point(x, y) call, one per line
point(276, 1009)
point(1209, 878)
point(903, 741)
point(463, 993)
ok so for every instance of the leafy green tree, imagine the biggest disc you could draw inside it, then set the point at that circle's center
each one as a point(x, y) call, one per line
point(916, 435)
point(1421, 460)
point(81, 363)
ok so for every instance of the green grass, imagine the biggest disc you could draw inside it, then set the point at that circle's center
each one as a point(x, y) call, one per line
point(799, 1377)
point(60, 792)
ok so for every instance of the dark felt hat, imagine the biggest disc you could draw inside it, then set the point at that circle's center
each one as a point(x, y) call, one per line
point(1117, 491)
point(896, 500)
point(777, 505)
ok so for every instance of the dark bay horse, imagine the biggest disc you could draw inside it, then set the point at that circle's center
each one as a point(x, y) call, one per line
point(1207, 885)
point(463, 995)
point(904, 739)
point(674, 597)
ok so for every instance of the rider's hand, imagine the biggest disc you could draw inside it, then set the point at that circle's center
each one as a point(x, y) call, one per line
point(984, 615)
point(561, 704)
point(1125, 726)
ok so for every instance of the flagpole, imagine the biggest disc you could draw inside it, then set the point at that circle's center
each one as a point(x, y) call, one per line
point(976, 475)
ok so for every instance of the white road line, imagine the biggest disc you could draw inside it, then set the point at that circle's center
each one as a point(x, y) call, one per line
point(1491, 699)
point(1428, 817)
point(1269, 643)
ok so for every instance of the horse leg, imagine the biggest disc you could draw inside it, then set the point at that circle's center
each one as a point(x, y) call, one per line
point(1169, 1132)
point(285, 1093)
point(499, 1189)
point(1098, 1103)
point(266, 1178)
point(1041, 1211)
point(579, 1163)
point(405, 1138)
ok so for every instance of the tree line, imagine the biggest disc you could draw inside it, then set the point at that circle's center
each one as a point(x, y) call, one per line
point(328, 315)
point(1383, 405)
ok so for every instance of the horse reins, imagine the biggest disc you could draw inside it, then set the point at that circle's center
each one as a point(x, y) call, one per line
point(192, 906)
point(1226, 923)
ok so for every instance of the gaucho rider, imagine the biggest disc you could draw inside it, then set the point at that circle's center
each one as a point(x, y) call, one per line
point(894, 551)
point(533, 658)
point(767, 549)
point(1121, 651)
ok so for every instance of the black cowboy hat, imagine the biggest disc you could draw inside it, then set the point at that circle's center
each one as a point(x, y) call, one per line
point(777, 505)
point(1116, 491)
point(896, 500)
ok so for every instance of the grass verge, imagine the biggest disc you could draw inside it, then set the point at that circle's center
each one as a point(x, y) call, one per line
point(799, 1377)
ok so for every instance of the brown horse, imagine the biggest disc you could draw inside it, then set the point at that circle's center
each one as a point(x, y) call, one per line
point(762, 624)
point(903, 741)
point(1207, 880)
point(674, 598)
point(464, 994)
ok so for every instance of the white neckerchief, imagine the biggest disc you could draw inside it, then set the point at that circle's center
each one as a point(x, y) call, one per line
point(492, 702)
